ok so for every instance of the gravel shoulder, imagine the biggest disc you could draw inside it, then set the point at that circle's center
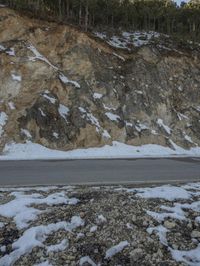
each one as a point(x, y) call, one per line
point(104, 225)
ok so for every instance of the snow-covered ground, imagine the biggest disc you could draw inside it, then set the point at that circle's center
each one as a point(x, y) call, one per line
point(100, 225)
point(33, 151)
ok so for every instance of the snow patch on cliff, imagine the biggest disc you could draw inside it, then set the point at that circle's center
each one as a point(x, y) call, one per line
point(128, 39)
point(3, 120)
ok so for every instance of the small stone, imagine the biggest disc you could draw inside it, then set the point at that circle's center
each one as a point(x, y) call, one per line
point(89, 234)
point(189, 225)
point(145, 223)
point(101, 219)
point(174, 246)
point(159, 253)
point(169, 225)
point(74, 250)
point(195, 234)
point(96, 251)
point(134, 218)
point(51, 254)
point(80, 235)
point(82, 215)
point(136, 254)
point(69, 257)
point(93, 229)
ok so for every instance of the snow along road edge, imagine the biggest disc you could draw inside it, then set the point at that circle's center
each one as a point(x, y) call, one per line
point(34, 151)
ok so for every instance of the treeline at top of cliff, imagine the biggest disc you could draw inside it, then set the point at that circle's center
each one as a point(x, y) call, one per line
point(163, 16)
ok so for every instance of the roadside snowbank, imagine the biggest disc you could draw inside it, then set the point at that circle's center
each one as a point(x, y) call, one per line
point(34, 151)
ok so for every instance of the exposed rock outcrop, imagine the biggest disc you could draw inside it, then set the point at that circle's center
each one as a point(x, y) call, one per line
point(66, 89)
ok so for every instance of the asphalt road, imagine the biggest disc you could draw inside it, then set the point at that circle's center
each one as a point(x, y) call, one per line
point(120, 171)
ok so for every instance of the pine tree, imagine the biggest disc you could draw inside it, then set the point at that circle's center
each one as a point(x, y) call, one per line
point(157, 15)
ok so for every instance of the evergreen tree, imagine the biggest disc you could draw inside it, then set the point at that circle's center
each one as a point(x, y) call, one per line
point(157, 15)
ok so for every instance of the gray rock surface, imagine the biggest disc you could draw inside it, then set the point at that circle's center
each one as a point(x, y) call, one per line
point(152, 96)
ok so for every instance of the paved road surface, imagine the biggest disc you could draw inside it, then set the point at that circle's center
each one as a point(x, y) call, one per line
point(99, 171)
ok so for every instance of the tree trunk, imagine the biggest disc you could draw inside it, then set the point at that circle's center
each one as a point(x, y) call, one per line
point(60, 9)
point(67, 9)
point(86, 16)
point(80, 14)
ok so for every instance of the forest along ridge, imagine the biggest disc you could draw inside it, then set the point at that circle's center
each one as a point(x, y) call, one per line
point(65, 89)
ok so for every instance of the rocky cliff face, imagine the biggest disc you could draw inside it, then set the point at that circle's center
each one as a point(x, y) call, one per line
point(65, 89)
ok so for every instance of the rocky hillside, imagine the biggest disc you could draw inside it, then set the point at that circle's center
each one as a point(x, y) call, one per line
point(66, 89)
